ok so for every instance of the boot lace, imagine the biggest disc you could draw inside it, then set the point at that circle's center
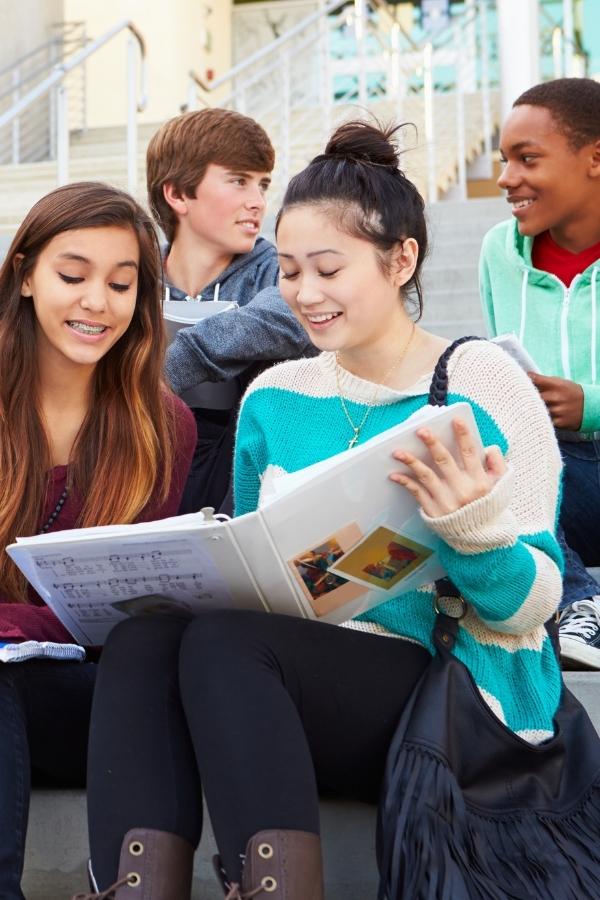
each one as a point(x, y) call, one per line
point(582, 620)
point(235, 892)
point(108, 894)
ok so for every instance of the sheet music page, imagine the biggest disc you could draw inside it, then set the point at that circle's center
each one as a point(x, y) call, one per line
point(92, 585)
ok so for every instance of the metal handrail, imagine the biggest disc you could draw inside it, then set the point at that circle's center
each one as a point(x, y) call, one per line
point(55, 85)
point(39, 49)
point(462, 19)
point(32, 75)
point(63, 69)
point(451, 46)
point(247, 63)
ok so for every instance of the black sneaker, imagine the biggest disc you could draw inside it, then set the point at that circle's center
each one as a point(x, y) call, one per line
point(579, 634)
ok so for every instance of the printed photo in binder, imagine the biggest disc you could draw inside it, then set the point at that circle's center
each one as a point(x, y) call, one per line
point(382, 559)
point(324, 590)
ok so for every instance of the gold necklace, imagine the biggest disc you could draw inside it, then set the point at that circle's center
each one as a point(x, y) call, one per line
point(358, 428)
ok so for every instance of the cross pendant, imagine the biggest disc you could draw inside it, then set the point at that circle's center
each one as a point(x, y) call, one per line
point(354, 439)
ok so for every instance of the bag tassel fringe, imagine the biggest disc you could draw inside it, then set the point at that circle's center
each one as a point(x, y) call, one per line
point(433, 846)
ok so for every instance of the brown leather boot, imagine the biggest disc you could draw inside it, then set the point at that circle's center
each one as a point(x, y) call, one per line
point(154, 865)
point(279, 865)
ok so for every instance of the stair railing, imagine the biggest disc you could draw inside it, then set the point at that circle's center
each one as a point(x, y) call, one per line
point(29, 140)
point(55, 86)
point(296, 83)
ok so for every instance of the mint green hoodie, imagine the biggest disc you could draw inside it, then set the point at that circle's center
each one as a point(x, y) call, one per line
point(558, 326)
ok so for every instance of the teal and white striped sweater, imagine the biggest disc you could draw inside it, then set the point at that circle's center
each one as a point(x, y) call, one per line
point(500, 550)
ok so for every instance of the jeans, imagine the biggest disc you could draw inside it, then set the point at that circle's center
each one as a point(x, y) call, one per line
point(579, 532)
point(44, 720)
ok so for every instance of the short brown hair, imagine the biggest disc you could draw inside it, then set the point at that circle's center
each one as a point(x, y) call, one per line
point(182, 149)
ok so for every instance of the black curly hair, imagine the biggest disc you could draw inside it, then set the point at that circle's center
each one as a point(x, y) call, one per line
point(574, 104)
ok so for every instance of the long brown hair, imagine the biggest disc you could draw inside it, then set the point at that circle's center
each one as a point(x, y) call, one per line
point(124, 447)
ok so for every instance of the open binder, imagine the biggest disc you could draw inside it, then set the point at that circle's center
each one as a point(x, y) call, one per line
point(329, 542)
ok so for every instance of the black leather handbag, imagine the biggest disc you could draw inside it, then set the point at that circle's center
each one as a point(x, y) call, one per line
point(471, 811)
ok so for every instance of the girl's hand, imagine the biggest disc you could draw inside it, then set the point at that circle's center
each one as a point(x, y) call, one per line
point(447, 486)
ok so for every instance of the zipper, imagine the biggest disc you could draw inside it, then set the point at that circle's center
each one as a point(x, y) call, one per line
point(564, 333)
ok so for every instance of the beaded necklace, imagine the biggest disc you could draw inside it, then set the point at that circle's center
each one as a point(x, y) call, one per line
point(55, 513)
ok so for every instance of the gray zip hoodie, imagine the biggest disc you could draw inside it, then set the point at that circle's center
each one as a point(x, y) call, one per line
point(262, 329)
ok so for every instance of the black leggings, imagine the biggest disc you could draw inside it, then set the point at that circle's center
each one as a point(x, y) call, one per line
point(270, 710)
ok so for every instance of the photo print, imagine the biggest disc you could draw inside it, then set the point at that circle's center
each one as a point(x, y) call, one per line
point(382, 559)
point(324, 590)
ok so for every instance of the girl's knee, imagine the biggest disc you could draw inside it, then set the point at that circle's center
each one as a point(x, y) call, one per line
point(216, 626)
point(141, 637)
point(221, 636)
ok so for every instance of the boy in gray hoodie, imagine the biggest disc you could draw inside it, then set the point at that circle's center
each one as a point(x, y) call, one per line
point(208, 173)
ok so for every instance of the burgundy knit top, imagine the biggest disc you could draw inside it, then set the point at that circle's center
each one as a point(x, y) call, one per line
point(34, 620)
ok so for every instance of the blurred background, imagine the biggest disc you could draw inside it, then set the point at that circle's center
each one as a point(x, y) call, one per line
point(83, 86)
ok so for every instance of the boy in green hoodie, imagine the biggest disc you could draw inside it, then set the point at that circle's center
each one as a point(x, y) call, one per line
point(540, 278)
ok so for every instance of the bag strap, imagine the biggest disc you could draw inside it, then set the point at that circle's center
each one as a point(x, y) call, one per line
point(446, 627)
point(438, 390)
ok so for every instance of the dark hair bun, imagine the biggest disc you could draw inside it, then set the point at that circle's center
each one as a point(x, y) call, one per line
point(363, 142)
point(357, 181)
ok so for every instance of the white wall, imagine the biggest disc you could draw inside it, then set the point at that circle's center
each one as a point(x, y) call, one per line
point(24, 25)
point(180, 35)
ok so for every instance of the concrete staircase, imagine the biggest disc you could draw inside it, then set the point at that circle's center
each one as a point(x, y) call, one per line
point(57, 839)
point(452, 307)
point(100, 152)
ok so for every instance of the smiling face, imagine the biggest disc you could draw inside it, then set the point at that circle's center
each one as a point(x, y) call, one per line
point(336, 285)
point(550, 186)
point(226, 211)
point(83, 288)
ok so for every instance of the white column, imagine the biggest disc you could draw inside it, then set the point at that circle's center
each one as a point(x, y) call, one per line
point(360, 24)
point(569, 36)
point(519, 48)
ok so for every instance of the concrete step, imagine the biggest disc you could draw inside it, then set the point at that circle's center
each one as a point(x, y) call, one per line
point(463, 228)
point(57, 850)
point(57, 838)
point(446, 252)
point(490, 208)
point(461, 303)
point(461, 276)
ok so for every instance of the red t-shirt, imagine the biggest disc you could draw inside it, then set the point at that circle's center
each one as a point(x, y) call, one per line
point(547, 256)
point(34, 621)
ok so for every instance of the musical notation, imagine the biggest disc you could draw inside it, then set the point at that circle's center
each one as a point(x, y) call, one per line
point(131, 562)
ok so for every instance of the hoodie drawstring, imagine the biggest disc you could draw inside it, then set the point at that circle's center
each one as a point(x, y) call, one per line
point(524, 283)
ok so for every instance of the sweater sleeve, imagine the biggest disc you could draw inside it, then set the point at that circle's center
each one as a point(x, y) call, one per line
point(247, 470)
point(221, 347)
point(501, 550)
point(31, 622)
